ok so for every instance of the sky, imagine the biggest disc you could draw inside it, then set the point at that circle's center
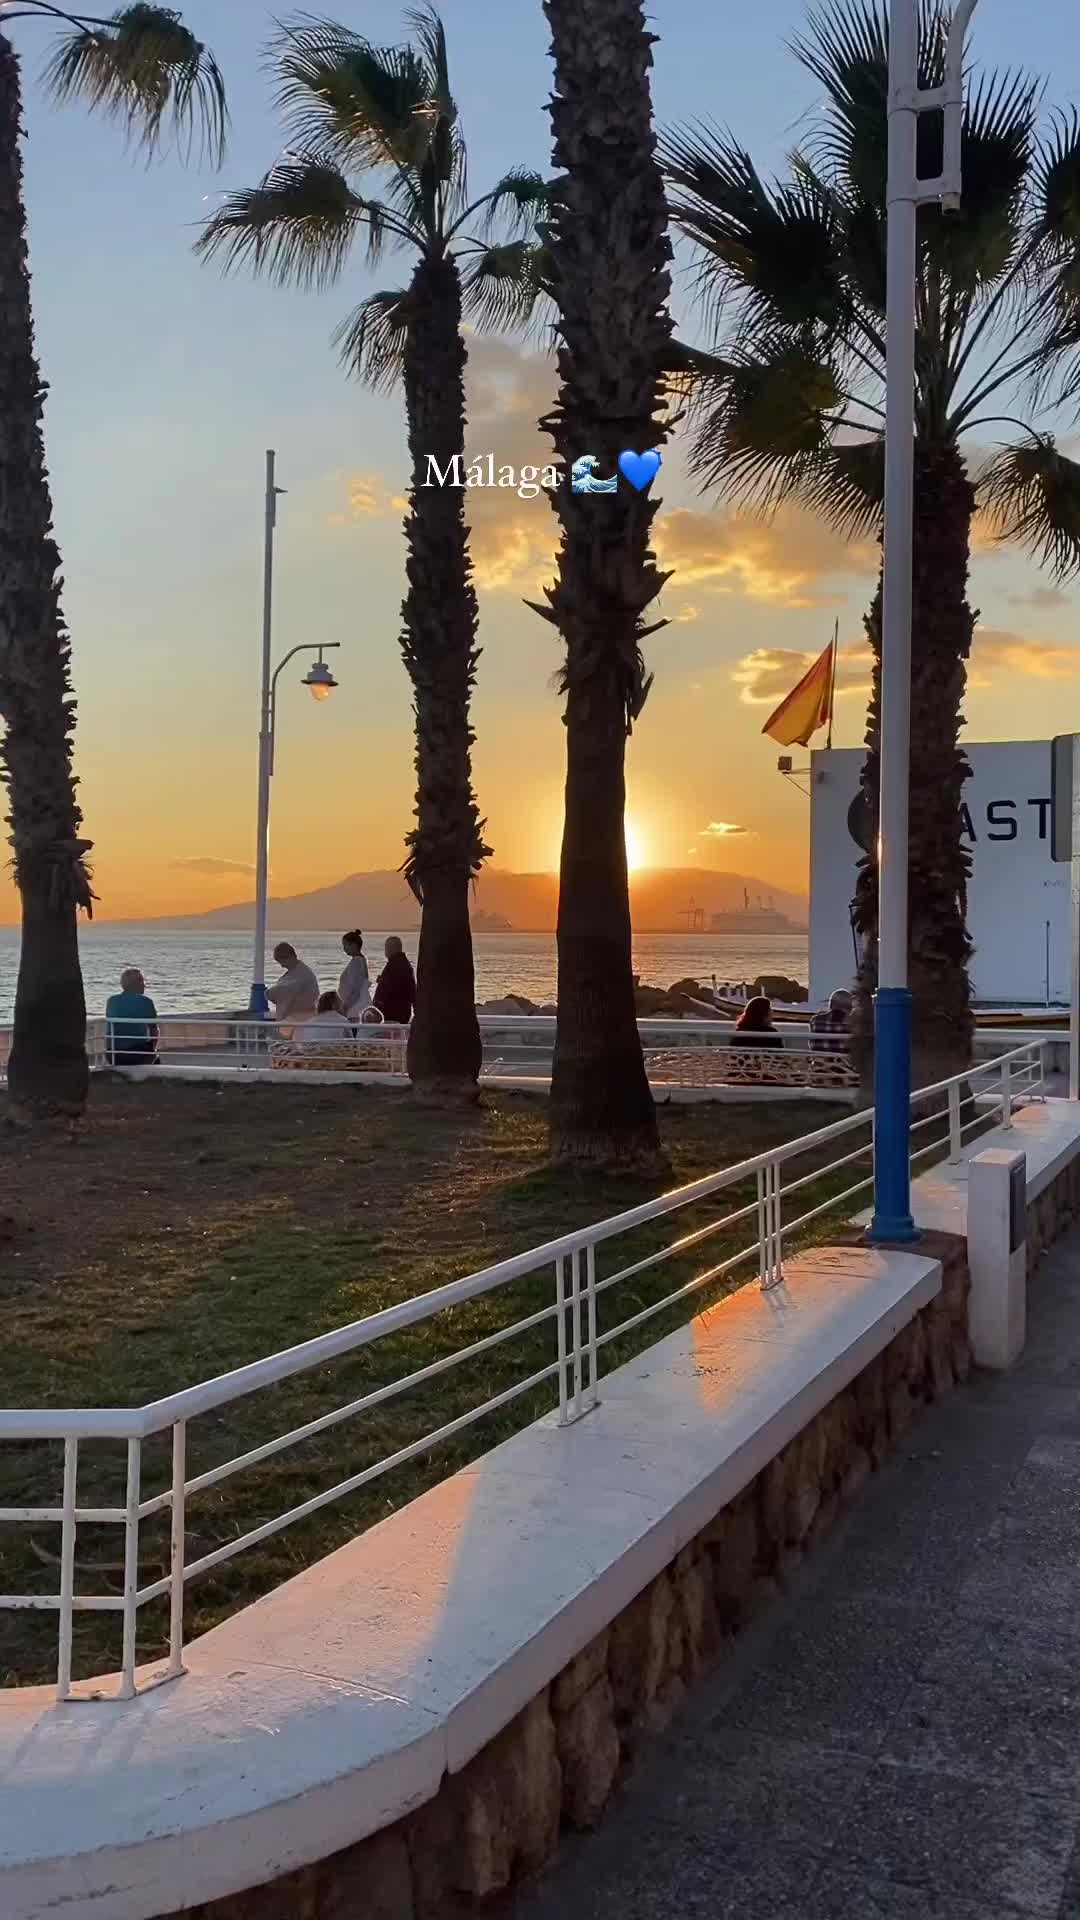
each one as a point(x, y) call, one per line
point(168, 381)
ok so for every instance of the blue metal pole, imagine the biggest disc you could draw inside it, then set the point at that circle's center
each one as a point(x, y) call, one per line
point(892, 1115)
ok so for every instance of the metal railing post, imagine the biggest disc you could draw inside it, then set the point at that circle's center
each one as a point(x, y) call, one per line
point(131, 1567)
point(67, 1568)
point(176, 1550)
point(1006, 1092)
point(956, 1139)
point(575, 1321)
point(560, 1326)
point(590, 1270)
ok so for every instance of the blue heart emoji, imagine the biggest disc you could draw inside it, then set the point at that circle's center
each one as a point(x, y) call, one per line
point(639, 468)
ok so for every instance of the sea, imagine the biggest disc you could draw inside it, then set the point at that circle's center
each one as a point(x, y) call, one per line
point(201, 970)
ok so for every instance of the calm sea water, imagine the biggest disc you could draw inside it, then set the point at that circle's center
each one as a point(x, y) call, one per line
point(205, 969)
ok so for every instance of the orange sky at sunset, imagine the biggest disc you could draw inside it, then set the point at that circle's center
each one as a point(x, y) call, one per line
point(170, 803)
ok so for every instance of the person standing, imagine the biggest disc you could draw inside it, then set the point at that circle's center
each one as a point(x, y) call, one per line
point(354, 986)
point(395, 994)
point(296, 995)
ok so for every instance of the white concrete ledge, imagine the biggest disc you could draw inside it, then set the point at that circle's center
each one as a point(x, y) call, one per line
point(336, 1704)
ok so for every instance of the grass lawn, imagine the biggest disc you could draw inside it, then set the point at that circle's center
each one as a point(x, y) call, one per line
point(190, 1229)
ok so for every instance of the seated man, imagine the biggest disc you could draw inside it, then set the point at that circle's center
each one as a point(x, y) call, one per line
point(831, 1028)
point(132, 1033)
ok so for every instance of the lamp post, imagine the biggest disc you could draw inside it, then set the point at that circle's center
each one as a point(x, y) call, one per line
point(905, 193)
point(321, 683)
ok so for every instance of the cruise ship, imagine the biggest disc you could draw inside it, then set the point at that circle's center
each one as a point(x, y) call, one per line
point(753, 919)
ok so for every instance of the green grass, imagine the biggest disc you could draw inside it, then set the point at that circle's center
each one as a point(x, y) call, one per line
point(189, 1230)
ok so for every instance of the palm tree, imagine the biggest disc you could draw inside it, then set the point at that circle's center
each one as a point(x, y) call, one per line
point(607, 265)
point(794, 277)
point(350, 109)
point(141, 66)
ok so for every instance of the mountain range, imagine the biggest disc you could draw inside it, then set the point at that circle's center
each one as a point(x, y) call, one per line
point(522, 902)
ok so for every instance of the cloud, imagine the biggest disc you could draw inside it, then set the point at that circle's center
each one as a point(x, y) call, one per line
point(997, 652)
point(1042, 598)
point(769, 673)
point(721, 830)
point(685, 615)
point(206, 863)
point(784, 560)
point(366, 498)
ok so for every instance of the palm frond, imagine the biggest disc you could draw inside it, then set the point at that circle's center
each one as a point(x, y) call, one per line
point(1057, 183)
point(517, 200)
point(845, 486)
point(508, 289)
point(297, 226)
point(364, 106)
point(773, 250)
point(1032, 495)
point(146, 68)
point(373, 339)
point(977, 244)
point(761, 427)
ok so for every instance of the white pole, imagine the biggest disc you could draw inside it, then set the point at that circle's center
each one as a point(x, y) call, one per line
point(259, 1005)
point(892, 1073)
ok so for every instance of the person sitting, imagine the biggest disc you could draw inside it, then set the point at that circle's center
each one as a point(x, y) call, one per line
point(296, 994)
point(754, 1027)
point(395, 994)
point(329, 1022)
point(831, 1028)
point(132, 1033)
point(354, 987)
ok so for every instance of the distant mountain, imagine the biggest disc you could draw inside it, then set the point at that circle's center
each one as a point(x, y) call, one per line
point(502, 902)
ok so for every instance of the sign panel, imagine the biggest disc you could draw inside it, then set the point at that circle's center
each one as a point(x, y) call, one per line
point(1018, 899)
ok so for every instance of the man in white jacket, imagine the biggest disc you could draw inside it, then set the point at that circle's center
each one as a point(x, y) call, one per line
point(296, 995)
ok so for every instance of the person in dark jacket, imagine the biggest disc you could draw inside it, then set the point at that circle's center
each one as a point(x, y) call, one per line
point(395, 995)
point(754, 1027)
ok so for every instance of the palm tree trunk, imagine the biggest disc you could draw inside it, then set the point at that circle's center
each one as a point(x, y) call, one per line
point(610, 261)
point(939, 864)
point(47, 1072)
point(446, 847)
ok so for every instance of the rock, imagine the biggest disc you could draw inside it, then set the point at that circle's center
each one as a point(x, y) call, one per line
point(589, 1754)
point(777, 986)
point(652, 1003)
point(733, 1546)
point(511, 1801)
point(512, 1005)
point(581, 1674)
point(374, 1879)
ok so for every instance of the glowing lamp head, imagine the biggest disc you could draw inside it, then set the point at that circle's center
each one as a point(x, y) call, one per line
point(320, 680)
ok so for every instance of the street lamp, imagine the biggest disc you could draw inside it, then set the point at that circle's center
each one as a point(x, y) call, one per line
point(322, 683)
point(905, 193)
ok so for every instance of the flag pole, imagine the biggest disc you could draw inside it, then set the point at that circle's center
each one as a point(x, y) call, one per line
point(832, 681)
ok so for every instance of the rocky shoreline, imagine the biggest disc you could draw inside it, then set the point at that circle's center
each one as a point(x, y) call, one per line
point(686, 999)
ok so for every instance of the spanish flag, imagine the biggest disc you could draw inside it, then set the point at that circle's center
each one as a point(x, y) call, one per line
point(808, 706)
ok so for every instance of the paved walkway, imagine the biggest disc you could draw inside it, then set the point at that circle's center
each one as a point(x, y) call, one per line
point(900, 1738)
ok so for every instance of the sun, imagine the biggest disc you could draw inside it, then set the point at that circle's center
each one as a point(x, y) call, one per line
point(637, 852)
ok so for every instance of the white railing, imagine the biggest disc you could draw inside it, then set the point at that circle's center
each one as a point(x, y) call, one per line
point(578, 1264)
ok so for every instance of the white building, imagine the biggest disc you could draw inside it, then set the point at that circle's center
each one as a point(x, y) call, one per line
point(1018, 899)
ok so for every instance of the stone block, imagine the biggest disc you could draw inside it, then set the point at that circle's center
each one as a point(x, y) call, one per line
point(589, 1752)
point(640, 1650)
point(693, 1587)
point(901, 1410)
point(510, 1800)
point(873, 1419)
point(857, 1475)
point(370, 1882)
point(939, 1345)
point(581, 1674)
point(733, 1551)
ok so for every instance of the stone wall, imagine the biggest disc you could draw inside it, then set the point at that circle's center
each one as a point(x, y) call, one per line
point(557, 1765)
point(1055, 1209)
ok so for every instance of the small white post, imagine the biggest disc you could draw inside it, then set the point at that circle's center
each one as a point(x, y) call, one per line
point(575, 1272)
point(997, 1256)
